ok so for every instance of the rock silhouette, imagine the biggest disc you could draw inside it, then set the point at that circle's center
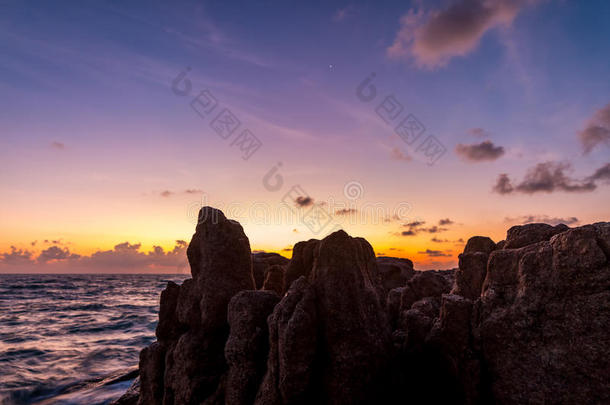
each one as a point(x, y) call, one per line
point(521, 321)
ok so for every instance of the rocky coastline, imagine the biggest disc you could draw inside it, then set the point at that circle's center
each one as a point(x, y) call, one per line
point(522, 321)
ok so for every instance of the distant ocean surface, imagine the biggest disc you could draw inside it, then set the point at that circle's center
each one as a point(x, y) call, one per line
point(64, 339)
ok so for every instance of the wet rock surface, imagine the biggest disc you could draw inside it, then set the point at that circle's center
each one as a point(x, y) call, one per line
point(523, 321)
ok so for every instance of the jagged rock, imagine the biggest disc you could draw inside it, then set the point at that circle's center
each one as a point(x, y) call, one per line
point(187, 365)
point(424, 284)
point(544, 320)
point(526, 322)
point(131, 396)
point(522, 235)
point(417, 321)
point(473, 267)
point(274, 280)
point(292, 349)
point(261, 261)
point(247, 347)
point(302, 260)
point(168, 326)
point(152, 368)
point(393, 301)
point(394, 272)
point(480, 244)
point(351, 317)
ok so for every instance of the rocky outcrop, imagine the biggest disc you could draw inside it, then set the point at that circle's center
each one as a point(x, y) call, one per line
point(522, 321)
point(187, 363)
point(523, 235)
point(275, 280)
point(302, 260)
point(394, 272)
point(247, 347)
point(262, 261)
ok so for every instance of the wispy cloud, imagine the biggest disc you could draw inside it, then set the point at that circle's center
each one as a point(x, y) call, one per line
point(530, 219)
point(433, 38)
point(597, 130)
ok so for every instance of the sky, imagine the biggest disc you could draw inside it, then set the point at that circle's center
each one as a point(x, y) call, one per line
point(413, 124)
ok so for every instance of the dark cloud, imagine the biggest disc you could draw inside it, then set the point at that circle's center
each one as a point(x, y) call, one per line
point(303, 201)
point(416, 227)
point(193, 191)
point(437, 240)
point(58, 145)
point(288, 249)
point(434, 253)
point(445, 221)
point(478, 132)
point(56, 253)
point(16, 256)
point(166, 193)
point(503, 185)
point(124, 257)
point(597, 130)
point(545, 177)
point(346, 211)
point(397, 154)
point(603, 174)
point(531, 219)
point(433, 38)
point(479, 152)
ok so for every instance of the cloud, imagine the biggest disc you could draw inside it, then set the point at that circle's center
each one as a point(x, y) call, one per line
point(603, 174)
point(478, 132)
point(597, 130)
point(437, 240)
point(434, 253)
point(397, 154)
point(433, 38)
point(169, 193)
point(16, 256)
point(123, 257)
point(479, 152)
point(445, 221)
point(531, 219)
point(287, 249)
point(58, 145)
point(56, 253)
point(547, 177)
point(303, 201)
point(416, 227)
point(346, 211)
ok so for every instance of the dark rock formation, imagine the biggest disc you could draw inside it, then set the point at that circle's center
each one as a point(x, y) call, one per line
point(274, 280)
point(262, 261)
point(394, 272)
point(186, 364)
point(247, 347)
point(302, 260)
point(523, 235)
point(521, 321)
point(473, 267)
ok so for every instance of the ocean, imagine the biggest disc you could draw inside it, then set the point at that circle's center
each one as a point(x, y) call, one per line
point(66, 339)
